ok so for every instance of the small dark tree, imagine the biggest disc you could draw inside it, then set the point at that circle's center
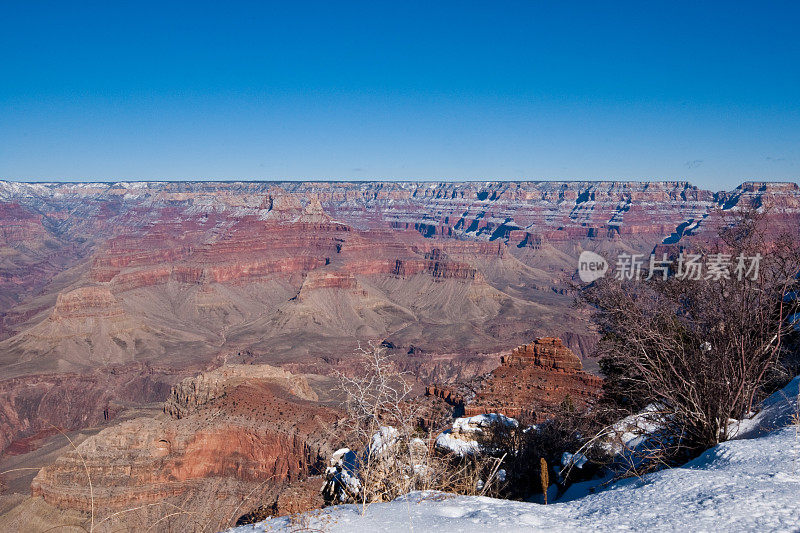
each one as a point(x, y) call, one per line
point(700, 349)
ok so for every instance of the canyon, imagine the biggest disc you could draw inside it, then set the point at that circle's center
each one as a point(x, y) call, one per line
point(181, 329)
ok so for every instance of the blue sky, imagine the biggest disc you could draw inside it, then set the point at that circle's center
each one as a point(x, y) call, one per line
point(393, 90)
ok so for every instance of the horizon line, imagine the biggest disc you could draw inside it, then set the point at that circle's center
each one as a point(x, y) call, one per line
point(384, 180)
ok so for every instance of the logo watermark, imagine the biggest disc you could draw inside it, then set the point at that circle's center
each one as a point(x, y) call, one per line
point(634, 267)
point(591, 266)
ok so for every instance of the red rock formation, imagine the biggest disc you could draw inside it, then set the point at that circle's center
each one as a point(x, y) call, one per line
point(250, 429)
point(546, 352)
point(194, 392)
point(87, 302)
point(449, 396)
point(533, 380)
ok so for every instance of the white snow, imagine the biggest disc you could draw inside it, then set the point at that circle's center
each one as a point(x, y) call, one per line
point(631, 430)
point(776, 411)
point(463, 438)
point(343, 465)
point(747, 484)
point(577, 460)
point(484, 421)
point(446, 441)
point(384, 438)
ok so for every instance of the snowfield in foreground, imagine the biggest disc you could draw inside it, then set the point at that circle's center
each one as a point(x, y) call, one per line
point(748, 484)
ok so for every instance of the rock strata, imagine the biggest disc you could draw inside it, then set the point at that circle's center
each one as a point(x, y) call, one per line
point(193, 392)
point(226, 429)
point(534, 380)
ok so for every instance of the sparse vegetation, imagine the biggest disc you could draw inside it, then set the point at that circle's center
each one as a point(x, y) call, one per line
point(391, 455)
point(699, 351)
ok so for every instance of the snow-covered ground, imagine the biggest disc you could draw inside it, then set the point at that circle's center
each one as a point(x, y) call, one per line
point(463, 439)
point(751, 483)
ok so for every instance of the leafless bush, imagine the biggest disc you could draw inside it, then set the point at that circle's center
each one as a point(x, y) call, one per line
point(700, 350)
point(389, 458)
point(391, 455)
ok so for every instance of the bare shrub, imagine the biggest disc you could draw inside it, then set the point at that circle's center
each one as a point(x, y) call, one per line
point(527, 447)
point(700, 351)
point(388, 453)
point(389, 456)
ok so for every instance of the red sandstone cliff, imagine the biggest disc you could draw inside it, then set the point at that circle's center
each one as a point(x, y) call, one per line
point(533, 380)
point(240, 423)
point(36, 404)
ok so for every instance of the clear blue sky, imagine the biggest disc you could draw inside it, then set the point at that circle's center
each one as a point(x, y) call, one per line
point(703, 91)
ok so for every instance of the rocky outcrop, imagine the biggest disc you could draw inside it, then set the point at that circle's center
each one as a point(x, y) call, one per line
point(146, 460)
point(194, 392)
point(451, 397)
point(534, 380)
point(231, 427)
point(435, 264)
point(545, 352)
point(87, 302)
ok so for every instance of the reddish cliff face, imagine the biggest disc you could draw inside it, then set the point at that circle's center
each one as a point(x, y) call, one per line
point(232, 426)
point(196, 392)
point(548, 353)
point(204, 264)
point(254, 250)
point(87, 302)
point(450, 396)
point(20, 226)
point(533, 380)
point(38, 404)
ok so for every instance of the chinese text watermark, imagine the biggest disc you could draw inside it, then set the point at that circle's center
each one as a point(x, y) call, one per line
point(686, 266)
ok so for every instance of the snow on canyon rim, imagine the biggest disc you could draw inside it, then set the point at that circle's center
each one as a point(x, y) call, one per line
point(751, 483)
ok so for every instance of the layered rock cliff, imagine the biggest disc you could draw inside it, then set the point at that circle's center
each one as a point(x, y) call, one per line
point(99, 276)
point(239, 428)
point(194, 392)
point(198, 264)
point(36, 404)
point(534, 380)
